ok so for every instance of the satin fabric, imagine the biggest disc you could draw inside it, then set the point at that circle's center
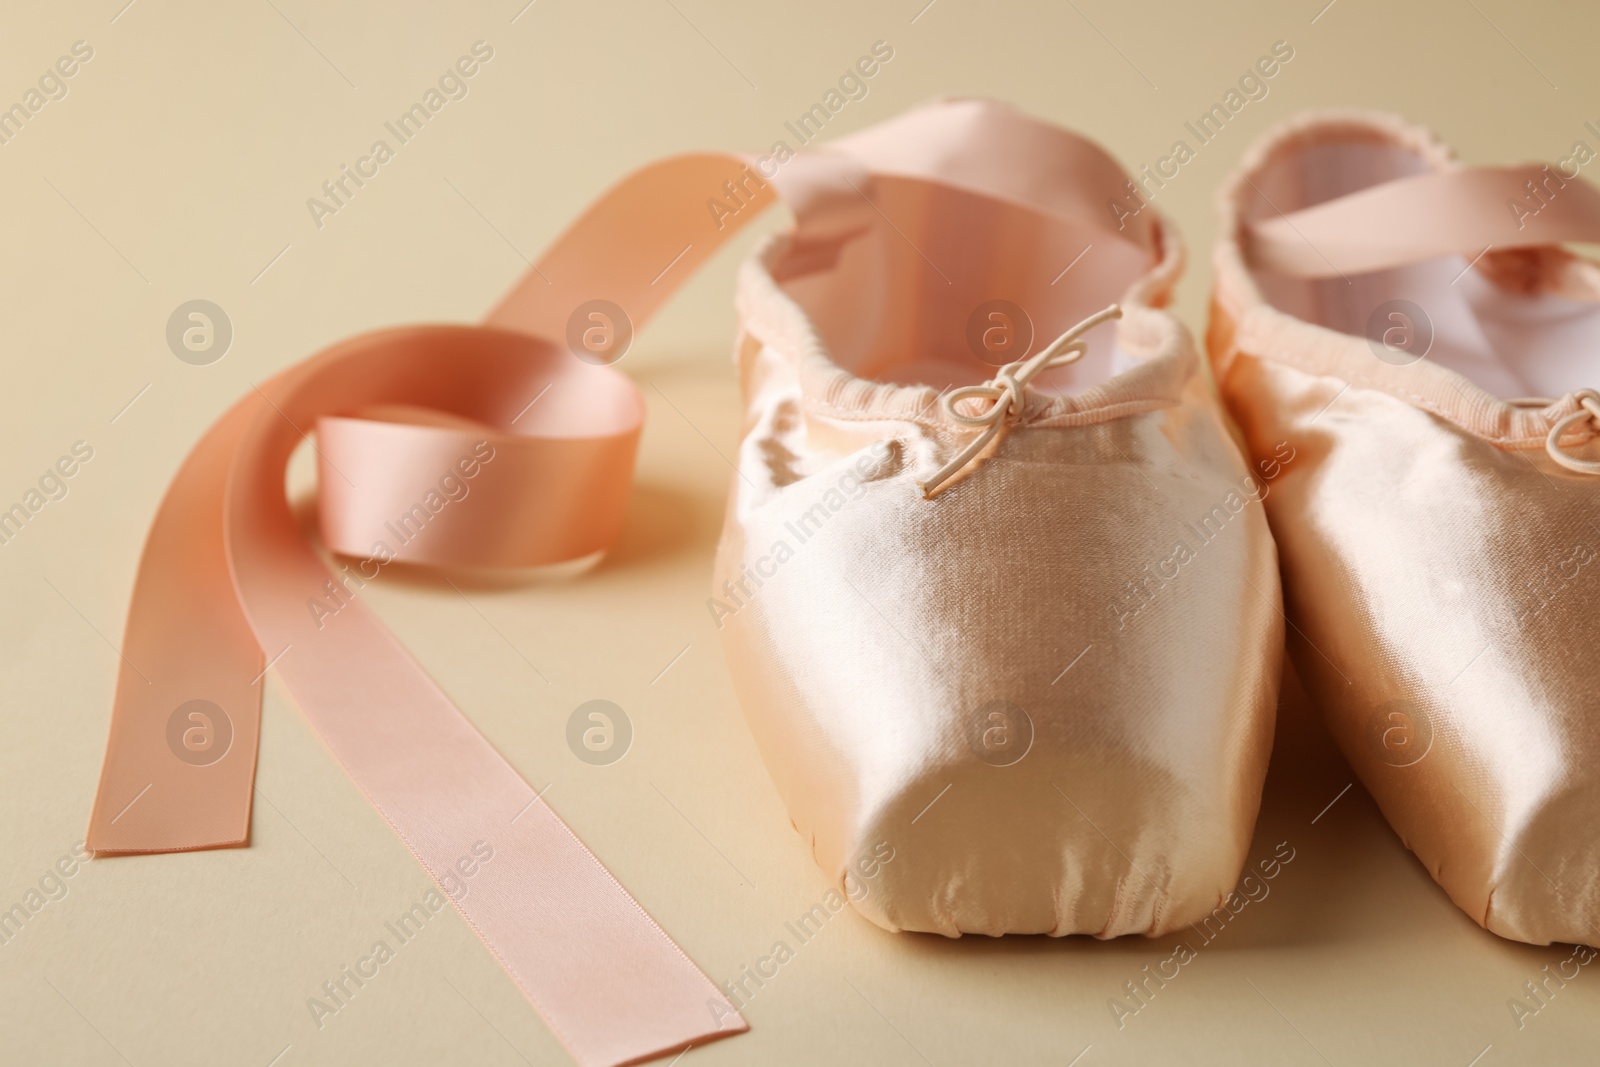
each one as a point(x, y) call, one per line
point(995, 688)
point(1438, 564)
point(1425, 216)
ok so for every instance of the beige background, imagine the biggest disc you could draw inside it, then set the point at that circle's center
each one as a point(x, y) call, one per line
point(178, 167)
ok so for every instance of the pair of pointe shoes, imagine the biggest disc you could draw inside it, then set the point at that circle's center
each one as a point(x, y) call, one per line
point(1005, 616)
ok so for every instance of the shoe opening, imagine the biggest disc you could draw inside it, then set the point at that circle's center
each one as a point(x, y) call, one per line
point(1517, 322)
point(943, 286)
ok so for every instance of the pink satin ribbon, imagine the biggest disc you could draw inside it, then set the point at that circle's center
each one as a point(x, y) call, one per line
point(457, 445)
point(1465, 211)
point(227, 580)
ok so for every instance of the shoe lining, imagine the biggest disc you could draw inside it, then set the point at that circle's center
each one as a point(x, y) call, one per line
point(897, 303)
point(1512, 344)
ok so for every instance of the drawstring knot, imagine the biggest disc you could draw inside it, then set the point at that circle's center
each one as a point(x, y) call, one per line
point(1007, 391)
point(1588, 408)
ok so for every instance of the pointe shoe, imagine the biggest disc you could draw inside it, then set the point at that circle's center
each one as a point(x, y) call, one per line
point(995, 586)
point(1385, 311)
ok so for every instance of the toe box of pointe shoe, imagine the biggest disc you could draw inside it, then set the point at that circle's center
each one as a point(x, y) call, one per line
point(1047, 693)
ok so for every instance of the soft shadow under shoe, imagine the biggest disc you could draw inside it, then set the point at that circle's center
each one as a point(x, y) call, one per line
point(1395, 317)
point(1002, 613)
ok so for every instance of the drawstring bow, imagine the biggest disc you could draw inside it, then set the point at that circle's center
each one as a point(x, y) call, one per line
point(1007, 391)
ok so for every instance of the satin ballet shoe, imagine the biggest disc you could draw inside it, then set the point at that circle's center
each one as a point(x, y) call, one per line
point(1395, 316)
point(995, 586)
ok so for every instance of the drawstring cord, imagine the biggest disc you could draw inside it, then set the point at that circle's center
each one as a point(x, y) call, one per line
point(1007, 393)
point(1588, 408)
